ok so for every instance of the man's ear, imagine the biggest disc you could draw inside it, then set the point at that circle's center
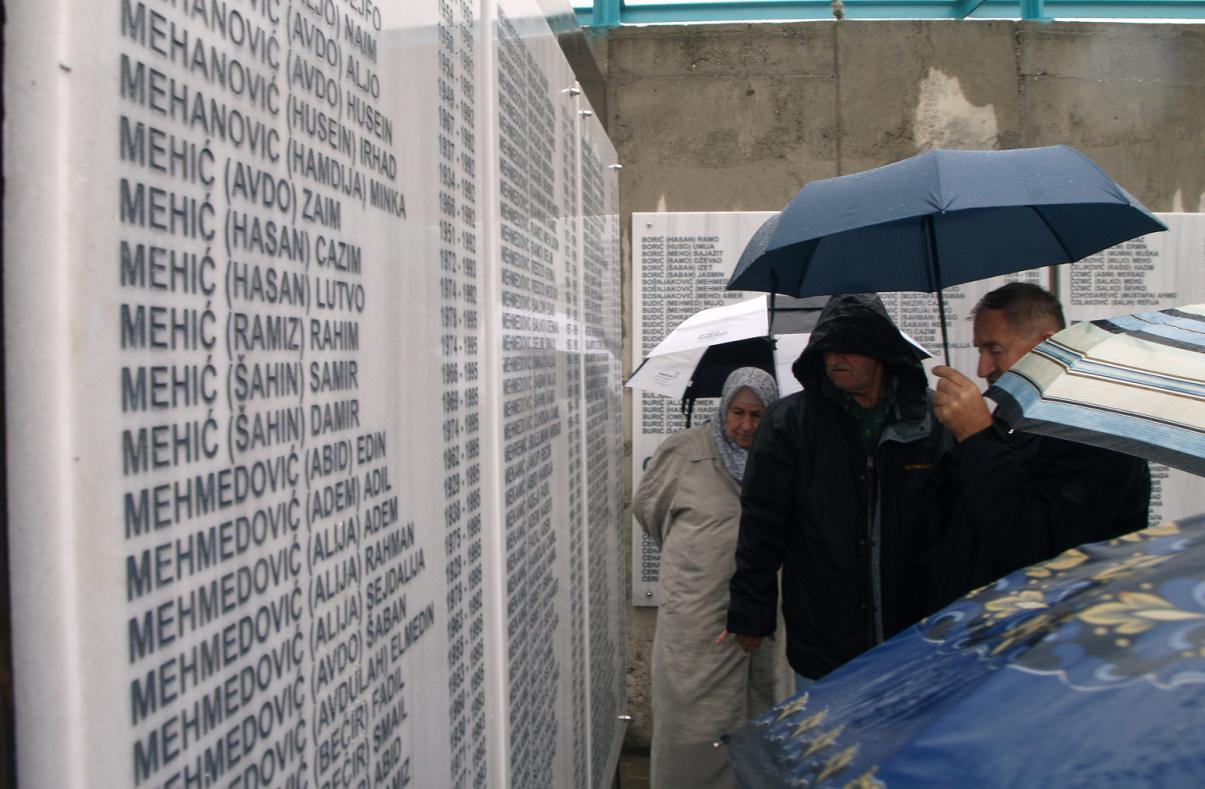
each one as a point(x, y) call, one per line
point(1047, 331)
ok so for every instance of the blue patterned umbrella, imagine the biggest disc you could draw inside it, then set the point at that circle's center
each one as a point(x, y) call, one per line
point(1135, 384)
point(1085, 670)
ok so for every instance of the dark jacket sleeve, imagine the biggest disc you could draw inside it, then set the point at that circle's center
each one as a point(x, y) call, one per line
point(767, 493)
point(1027, 498)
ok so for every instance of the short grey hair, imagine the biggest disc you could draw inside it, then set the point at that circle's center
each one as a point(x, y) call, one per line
point(1025, 306)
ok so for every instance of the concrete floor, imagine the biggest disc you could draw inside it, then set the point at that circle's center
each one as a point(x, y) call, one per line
point(633, 771)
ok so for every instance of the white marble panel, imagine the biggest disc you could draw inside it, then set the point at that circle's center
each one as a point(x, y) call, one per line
point(248, 557)
point(265, 362)
point(603, 421)
point(670, 250)
point(540, 406)
point(918, 314)
point(680, 264)
point(1152, 272)
point(452, 310)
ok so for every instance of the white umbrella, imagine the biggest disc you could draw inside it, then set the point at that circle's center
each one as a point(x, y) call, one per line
point(675, 362)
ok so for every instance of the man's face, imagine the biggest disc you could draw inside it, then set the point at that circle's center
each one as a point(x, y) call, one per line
point(1000, 343)
point(855, 374)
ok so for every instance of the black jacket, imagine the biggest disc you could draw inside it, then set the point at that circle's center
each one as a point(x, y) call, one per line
point(1027, 498)
point(856, 536)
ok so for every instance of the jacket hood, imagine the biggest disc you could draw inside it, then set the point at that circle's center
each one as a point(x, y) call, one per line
point(859, 323)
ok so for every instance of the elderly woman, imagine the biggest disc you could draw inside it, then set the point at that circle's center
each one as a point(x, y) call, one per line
point(689, 503)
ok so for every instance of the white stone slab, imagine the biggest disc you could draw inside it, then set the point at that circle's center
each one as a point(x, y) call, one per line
point(1152, 272)
point(256, 414)
point(680, 265)
point(603, 420)
point(548, 286)
point(678, 257)
point(456, 356)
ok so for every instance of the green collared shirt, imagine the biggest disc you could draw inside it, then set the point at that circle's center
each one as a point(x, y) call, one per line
point(871, 421)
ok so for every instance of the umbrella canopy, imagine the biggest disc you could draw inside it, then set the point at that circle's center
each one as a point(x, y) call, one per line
point(710, 344)
point(943, 218)
point(1085, 670)
point(756, 246)
point(1135, 384)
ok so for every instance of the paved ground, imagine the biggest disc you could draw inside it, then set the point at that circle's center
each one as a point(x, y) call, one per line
point(633, 771)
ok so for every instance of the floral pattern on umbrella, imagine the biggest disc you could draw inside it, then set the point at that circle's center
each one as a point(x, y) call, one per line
point(1116, 612)
point(1086, 670)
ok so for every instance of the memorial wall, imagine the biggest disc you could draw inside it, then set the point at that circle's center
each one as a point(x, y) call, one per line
point(681, 261)
point(313, 397)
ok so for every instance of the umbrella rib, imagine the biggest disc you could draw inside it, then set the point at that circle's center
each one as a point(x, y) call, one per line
point(1114, 411)
point(1138, 316)
point(1087, 359)
point(1088, 405)
point(1053, 234)
point(1121, 384)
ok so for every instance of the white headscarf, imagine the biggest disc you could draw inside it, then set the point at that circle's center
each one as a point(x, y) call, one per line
point(762, 384)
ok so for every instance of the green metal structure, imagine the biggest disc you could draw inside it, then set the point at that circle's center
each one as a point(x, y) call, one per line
point(611, 13)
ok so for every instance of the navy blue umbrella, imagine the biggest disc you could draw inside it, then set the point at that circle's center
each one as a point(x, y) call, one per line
point(943, 218)
point(756, 246)
point(787, 316)
point(1087, 670)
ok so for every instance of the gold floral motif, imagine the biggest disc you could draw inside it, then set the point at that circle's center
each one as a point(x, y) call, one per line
point(1022, 630)
point(1024, 600)
point(795, 706)
point(837, 763)
point(1135, 613)
point(1165, 529)
point(810, 723)
point(866, 781)
point(1067, 560)
point(1129, 567)
point(823, 742)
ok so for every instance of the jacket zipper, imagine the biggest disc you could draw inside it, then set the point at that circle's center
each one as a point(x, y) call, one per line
point(875, 580)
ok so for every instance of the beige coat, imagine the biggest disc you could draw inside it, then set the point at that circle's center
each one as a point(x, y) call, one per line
point(690, 506)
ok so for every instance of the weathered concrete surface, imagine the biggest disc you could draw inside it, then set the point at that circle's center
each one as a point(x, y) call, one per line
point(705, 121)
point(738, 117)
point(1130, 96)
point(908, 86)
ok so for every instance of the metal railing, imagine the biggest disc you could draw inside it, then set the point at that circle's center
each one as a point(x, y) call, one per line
point(611, 13)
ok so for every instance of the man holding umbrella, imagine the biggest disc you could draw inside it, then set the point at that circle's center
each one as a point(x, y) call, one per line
point(1026, 498)
point(844, 491)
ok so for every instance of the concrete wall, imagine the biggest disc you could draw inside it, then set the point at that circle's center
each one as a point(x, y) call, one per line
point(739, 117)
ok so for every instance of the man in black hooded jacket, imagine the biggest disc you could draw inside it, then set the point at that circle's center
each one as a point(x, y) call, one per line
point(846, 490)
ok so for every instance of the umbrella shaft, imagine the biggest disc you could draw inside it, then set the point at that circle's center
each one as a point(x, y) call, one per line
point(945, 340)
point(935, 263)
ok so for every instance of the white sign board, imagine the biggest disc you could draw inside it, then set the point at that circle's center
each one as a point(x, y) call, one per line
point(681, 260)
